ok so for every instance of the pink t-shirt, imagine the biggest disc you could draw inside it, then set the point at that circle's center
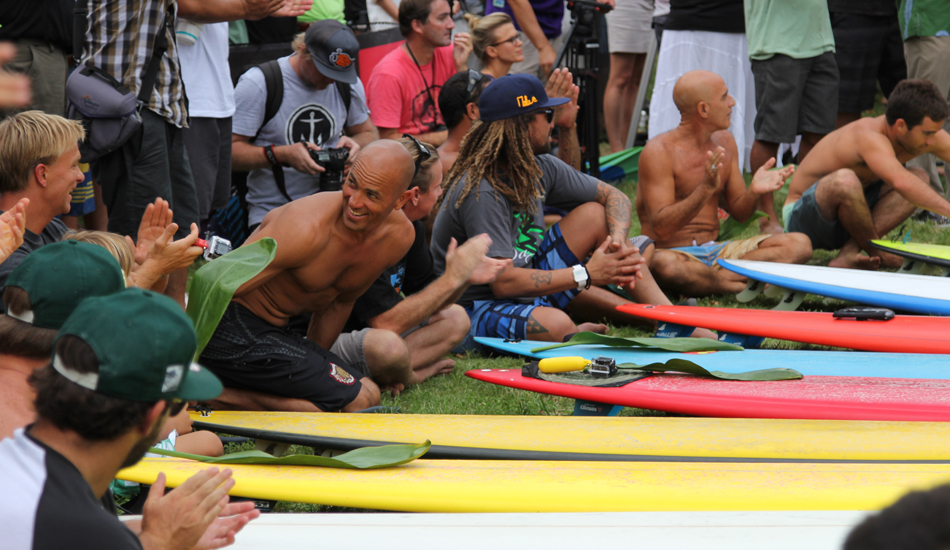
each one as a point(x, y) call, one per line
point(399, 96)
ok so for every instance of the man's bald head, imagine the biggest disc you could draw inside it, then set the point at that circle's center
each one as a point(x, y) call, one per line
point(694, 87)
point(389, 160)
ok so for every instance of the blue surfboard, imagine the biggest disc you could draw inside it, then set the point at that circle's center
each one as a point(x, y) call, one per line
point(814, 363)
point(913, 293)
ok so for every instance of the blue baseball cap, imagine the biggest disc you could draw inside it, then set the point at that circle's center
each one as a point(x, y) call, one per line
point(513, 95)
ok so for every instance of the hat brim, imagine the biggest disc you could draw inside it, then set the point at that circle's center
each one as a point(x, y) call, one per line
point(554, 102)
point(199, 385)
point(347, 75)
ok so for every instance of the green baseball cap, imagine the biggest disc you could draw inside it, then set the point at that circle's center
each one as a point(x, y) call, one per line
point(145, 345)
point(60, 275)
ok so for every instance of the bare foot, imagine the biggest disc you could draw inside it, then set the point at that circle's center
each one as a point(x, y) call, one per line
point(892, 261)
point(593, 327)
point(442, 366)
point(771, 227)
point(856, 261)
point(704, 333)
point(395, 389)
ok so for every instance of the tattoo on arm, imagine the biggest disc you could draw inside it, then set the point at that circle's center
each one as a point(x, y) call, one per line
point(617, 208)
point(568, 150)
point(534, 327)
point(541, 278)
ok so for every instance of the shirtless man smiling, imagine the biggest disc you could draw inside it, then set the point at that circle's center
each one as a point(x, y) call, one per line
point(853, 186)
point(330, 248)
point(686, 175)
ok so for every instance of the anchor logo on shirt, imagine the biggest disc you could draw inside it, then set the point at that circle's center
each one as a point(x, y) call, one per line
point(311, 123)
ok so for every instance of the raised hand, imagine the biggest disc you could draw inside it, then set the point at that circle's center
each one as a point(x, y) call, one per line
point(12, 227)
point(293, 8)
point(765, 181)
point(713, 170)
point(561, 84)
point(463, 48)
point(222, 531)
point(156, 218)
point(181, 518)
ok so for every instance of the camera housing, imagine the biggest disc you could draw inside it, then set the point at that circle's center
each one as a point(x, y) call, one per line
point(214, 248)
point(332, 160)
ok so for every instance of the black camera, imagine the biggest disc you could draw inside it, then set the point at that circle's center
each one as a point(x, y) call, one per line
point(332, 160)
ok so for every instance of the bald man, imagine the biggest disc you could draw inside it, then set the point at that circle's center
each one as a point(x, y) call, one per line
point(330, 248)
point(686, 175)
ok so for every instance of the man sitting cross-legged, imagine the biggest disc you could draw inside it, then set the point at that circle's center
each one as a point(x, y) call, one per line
point(853, 186)
point(330, 248)
point(389, 332)
point(498, 186)
point(685, 175)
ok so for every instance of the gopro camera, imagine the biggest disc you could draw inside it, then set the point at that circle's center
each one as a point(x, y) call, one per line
point(602, 367)
point(214, 248)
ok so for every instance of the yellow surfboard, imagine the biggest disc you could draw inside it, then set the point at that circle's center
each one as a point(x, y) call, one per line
point(536, 486)
point(598, 438)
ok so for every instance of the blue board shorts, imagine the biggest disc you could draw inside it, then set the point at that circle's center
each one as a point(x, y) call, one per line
point(803, 216)
point(509, 318)
point(727, 250)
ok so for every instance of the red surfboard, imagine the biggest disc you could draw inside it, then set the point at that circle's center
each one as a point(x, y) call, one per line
point(813, 397)
point(902, 334)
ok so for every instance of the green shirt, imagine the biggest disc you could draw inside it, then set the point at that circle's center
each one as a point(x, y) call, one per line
point(324, 9)
point(924, 18)
point(796, 28)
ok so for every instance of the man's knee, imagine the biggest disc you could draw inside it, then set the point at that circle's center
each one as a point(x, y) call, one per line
point(551, 322)
point(666, 265)
point(459, 323)
point(369, 396)
point(796, 246)
point(920, 173)
point(846, 183)
point(384, 349)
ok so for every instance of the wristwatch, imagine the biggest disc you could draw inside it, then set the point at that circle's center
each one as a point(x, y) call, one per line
point(581, 277)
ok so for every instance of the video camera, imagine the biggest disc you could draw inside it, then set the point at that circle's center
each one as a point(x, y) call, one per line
point(332, 161)
point(215, 248)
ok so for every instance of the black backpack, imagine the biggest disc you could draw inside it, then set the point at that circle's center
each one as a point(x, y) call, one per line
point(231, 221)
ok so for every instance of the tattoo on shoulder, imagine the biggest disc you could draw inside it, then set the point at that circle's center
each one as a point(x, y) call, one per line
point(541, 278)
point(534, 327)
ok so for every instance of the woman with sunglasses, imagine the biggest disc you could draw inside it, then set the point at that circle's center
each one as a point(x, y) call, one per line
point(496, 43)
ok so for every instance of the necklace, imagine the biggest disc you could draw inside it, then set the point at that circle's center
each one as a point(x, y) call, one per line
point(425, 82)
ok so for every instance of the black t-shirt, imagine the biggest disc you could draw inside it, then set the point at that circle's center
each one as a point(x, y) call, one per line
point(52, 233)
point(864, 7)
point(413, 273)
point(47, 505)
point(706, 15)
point(49, 20)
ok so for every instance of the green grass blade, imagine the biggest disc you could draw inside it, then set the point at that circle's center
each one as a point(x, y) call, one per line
point(366, 458)
point(213, 286)
point(668, 344)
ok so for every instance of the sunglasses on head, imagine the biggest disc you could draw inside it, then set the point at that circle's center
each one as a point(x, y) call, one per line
point(474, 77)
point(424, 153)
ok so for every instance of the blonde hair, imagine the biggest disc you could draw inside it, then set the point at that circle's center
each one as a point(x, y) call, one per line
point(116, 244)
point(421, 179)
point(483, 31)
point(298, 42)
point(32, 138)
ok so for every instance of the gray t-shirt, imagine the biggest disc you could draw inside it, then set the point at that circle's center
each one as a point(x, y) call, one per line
point(514, 235)
point(52, 233)
point(306, 114)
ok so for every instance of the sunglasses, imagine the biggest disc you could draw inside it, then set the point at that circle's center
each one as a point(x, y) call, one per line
point(175, 407)
point(548, 113)
point(424, 153)
point(511, 40)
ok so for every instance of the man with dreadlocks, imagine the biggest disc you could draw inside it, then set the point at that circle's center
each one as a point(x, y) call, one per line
point(502, 179)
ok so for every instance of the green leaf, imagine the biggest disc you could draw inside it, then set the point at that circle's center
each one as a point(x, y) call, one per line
point(731, 229)
point(681, 365)
point(668, 344)
point(213, 286)
point(366, 458)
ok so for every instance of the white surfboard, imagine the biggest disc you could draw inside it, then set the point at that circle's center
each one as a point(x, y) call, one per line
point(653, 530)
point(904, 292)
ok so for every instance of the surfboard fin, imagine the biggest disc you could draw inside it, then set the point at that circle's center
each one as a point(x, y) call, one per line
point(791, 299)
point(752, 289)
point(583, 407)
point(911, 266)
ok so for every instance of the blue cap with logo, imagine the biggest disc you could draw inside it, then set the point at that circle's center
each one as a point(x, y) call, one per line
point(513, 95)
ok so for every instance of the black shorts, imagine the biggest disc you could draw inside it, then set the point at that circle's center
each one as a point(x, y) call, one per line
point(868, 49)
point(249, 353)
point(806, 218)
point(794, 96)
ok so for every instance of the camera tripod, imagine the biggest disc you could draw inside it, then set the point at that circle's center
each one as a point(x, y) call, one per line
point(579, 54)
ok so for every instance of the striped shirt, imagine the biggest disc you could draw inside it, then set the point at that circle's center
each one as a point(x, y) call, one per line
point(120, 37)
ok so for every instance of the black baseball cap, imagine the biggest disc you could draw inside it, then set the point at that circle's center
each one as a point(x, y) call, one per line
point(513, 95)
point(334, 48)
